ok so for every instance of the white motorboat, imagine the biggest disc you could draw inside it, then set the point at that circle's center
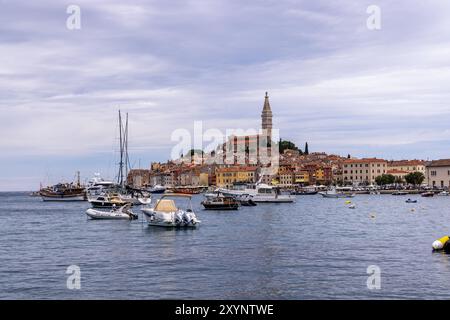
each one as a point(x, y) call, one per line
point(259, 192)
point(166, 213)
point(269, 194)
point(334, 194)
point(443, 193)
point(97, 186)
point(123, 213)
point(134, 199)
point(107, 201)
point(157, 189)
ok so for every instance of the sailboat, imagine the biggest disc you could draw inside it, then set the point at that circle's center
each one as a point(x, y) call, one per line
point(126, 194)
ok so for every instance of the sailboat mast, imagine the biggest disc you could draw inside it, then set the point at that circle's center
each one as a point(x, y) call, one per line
point(126, 149)
point(120, 175)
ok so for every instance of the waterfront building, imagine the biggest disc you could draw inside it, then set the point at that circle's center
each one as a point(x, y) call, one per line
point(285, 176)
point(301, 177)
point(407, 166)
point(398, 173)
point(227, 176)
point(138, 178)
point(438, 173)
point(362, 171)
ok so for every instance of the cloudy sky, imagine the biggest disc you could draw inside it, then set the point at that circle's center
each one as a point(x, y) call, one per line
point(331, 80)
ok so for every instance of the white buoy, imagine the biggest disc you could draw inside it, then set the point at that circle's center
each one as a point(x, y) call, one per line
point(437, 245)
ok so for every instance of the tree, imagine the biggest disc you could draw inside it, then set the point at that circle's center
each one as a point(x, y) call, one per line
point(286, 144)
point(385, 179)
point(415, 178)
point(306, 148)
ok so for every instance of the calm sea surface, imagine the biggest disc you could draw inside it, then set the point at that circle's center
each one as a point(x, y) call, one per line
point(313, 249)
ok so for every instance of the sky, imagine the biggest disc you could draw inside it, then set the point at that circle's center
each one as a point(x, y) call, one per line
point(333, 82)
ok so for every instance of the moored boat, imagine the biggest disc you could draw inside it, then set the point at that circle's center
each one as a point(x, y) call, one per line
point(157, 189)
point(334, 194)
point(123, 213)
point(268, 194)
point(166, 213)
point(399, 193)
point(220, 202)
point(428, 194)
point(107, 201)
point(63, 192)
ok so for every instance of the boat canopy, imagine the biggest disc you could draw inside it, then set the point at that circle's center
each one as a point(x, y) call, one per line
point(166, 205)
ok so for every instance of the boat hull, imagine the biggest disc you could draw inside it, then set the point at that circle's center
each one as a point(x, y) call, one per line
point(166, 222)
point(221, 207)
point(337, 196)
point(101, 215)
point(63, 198)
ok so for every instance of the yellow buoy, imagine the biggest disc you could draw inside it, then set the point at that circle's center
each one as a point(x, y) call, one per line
point(439, 243)
point(348, 202)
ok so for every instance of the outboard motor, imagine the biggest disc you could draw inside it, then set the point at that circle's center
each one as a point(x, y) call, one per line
point(178, 217)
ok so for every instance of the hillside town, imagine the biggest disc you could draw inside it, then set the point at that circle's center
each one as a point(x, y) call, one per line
point(295, 167)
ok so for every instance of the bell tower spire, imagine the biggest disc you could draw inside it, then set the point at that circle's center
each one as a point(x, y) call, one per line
point(266, 117)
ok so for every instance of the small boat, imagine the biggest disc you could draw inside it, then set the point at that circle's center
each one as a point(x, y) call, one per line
point(443, 193)
point(131, 198)
point(123, 213)
point(399, 193)
point(188, 190)
point(352, 206)
point(428, 194)
point(157, 189)
point(305, 192)
point(245, 200)
point(334, 194)
point(411, 201)
point(220, 202)
point(145, 201)
point(166, 213)
point(107, 201)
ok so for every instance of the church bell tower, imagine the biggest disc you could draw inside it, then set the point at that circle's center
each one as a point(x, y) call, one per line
point(266, 117)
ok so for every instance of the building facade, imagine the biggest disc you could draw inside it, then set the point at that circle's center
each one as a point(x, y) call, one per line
point(362, 171)
point(408, 166)
point(438, 173)
point(227, 177)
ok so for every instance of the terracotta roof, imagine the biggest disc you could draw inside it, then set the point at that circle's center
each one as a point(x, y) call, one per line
point(397, 163)
point(439, 163)
point(364, 160)
point(236, 169)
